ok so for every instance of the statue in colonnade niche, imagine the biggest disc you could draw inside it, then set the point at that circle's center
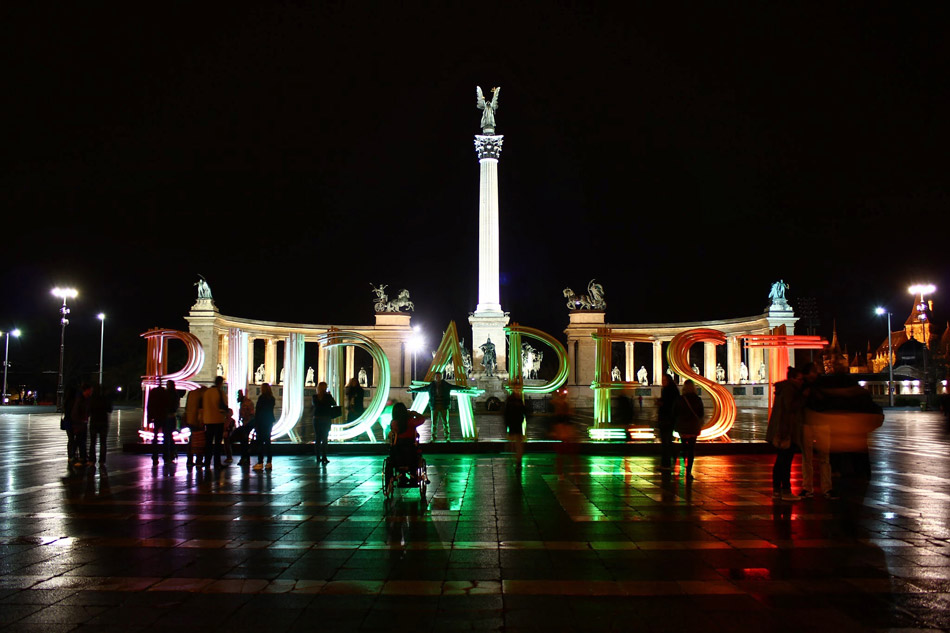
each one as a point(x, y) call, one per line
point(362, 377)
point(283, 372)
point(309, 380)
point(695, 369)
point(259, 374)
point(743, 373)
point(220, 370)
point(762, 372)
point(720, 373)
point(643, 376)
point(466, 358)
point(615, 374)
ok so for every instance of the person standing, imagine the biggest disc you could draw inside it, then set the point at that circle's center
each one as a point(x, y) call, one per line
point(785, 431)
point(323, 413)
point(246, 421)
point(66, 424)
point(688, 415)
point(514, 423)
point(264, 425)
point(816, 438)
point(100, 406)
point(214, 412)
point(440, 396)
point(354, 400)
point(80, 418)
point(666, 420)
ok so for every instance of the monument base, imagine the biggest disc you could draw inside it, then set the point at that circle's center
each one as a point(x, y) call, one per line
point(485, 326)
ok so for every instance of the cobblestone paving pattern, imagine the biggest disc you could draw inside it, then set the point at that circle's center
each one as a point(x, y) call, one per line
point(614, 545)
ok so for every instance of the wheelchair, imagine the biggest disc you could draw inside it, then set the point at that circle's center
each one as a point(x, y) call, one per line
point(405, 468)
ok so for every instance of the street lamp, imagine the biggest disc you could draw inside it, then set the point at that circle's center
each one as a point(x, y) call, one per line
point(890, 355)
point(62, 293)
point(415, 344)
point(6, 364)
point(923, 289)
point(102, 336)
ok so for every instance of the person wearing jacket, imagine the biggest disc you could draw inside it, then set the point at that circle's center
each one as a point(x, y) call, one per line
point(264, 425)
point(784, 431)
point(440, 392)
point(323, 406)
point(665, 419)
point(100, 406)
point(214, 414)
point(688, 422)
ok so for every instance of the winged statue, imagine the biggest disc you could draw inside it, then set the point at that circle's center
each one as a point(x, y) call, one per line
point(488, 109)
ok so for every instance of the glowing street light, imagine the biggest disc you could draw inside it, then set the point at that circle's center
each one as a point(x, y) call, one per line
point(6, 364)
point(415, 344)
point(890, 355)
point(102, 336)
point(62, 293)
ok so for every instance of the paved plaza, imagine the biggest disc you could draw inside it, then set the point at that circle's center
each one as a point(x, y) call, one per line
point(614, 545)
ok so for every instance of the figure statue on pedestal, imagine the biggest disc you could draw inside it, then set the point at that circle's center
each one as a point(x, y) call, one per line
point(615, 374)
point(488, 357)
point(309, 380)
point(259, 374)
point(220, 370)
point(362, 377)
point(695, 368)
point(743, 373)
point(669, 372)
point(204, 290)
point(528, 360)
point(593, 300)
point(777, 293)
point(720, 373)
point(643, 376)
point(488, 109)
point(283, 372)
point(383, 304)
point(763, 374)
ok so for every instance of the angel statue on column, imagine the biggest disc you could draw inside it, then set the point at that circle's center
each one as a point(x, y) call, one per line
point(488, 109)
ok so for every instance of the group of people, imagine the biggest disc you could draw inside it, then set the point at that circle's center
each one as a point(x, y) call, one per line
point(800, 422)
point(213, 428)
point(680, 413)
point(86, 413)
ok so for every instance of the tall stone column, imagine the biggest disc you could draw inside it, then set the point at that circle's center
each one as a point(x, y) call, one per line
point(657, 362)
point(709, 360)
point(733, 357)
point(488, 321)
point(270, 361)
point(629, 365)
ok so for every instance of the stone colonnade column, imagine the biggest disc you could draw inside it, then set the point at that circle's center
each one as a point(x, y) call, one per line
point(250, 360)
point(657, 362)
point(630, 369)
point(270, 361)
point(733, 358)
point(709, 360)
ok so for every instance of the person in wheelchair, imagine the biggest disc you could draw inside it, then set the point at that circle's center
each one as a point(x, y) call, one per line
point(405, 455)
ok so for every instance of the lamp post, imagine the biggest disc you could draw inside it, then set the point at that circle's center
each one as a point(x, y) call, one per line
point(62, 293)
point(415, 344)
point(102, 337)
point(890, 356)
point(922, 318)
point(6, 363)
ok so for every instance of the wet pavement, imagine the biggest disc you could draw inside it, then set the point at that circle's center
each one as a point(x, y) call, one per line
point(613, 545)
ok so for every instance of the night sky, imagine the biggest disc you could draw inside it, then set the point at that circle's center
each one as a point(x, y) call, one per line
point(684, 156)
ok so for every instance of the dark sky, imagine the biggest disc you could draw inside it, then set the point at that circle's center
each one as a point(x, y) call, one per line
point(686, 157)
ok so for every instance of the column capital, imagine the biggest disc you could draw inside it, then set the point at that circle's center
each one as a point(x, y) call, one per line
point(488, 145)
